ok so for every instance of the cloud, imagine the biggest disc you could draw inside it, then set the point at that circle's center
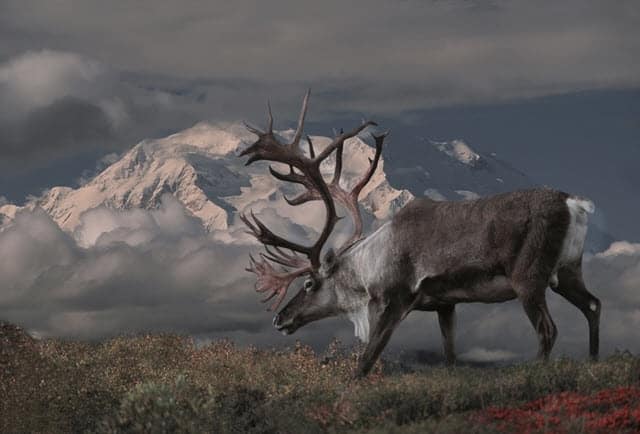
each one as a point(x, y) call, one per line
point(58, 101)
point(37, 79)
point(615, 273)
point(64, 104)
point(380, 56)
point(135, 270)
point(477, 354)
point(66, 124)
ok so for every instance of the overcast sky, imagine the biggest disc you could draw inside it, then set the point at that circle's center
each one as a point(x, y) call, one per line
point(552, 86)
point(122, 65)
point(435, 51)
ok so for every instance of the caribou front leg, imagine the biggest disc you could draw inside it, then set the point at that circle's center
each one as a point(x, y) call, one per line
point(384, 318)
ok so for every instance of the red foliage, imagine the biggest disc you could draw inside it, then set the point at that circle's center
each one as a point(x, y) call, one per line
point(607, 411)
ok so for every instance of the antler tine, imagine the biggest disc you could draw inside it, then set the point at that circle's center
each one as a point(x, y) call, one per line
point(311, 192)
point(269, 280)
point(274, 259)
point(373, 163)
point(303, 113)
point(293, 254)
point(276, 303)
point(337, 172)
point(254, 230)
point(340, 139)
point(252, 264)
point(253, 129)
point(289, 177)
point(304, 197)
point(352, 197)
point(312, 152)
point(270, 126)
point(267, 237)
point(268, 147)
point(283, 258)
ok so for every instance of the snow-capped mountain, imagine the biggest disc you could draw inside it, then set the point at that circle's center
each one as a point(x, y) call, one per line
point(453, 170)
point(200, 167)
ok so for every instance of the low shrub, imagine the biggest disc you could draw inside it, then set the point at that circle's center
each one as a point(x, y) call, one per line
point(164, 383)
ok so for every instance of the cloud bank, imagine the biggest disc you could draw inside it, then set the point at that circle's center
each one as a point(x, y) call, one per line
point(132, 271)
point(143, 270)
point(62, 104)
point(399, 53)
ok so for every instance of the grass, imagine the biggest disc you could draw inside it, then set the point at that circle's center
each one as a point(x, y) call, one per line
point(163, 383)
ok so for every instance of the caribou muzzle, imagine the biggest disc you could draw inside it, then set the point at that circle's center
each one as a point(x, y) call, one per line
point(284, 325)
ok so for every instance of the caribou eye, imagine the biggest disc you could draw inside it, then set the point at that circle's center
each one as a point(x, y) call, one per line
point(308, 285)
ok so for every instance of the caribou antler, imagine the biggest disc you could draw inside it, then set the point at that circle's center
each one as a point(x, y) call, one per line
point(347, 198)
point(303, 170)
point(270, 280)
point(269, 148)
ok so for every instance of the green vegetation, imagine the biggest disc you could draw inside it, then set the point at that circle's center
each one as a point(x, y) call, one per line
point(163, 383)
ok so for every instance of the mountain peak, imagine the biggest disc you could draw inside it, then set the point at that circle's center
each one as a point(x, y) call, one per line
point(200, 168)
point(459, 150)
point(215, 139)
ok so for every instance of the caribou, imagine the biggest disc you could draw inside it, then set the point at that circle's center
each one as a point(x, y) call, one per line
point(430, 256)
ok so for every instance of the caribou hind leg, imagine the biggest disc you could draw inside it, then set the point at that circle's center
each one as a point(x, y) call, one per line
point(446, 318)
point(532, 296)
point(571, 286)
point(538, 314)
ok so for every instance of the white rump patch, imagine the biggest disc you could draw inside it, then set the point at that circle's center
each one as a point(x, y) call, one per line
point(581, 204)
point(573, 243)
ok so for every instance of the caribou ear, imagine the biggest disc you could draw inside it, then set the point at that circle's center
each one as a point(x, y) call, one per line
point(330, 260)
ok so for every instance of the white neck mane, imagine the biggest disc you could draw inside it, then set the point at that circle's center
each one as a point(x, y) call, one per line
point(360, 320)
point(369, 265)
point(356, 307)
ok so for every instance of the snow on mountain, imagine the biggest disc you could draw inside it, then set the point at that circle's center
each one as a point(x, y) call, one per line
point(458, 150)
point(200, 167)
point(453, 170)
point(190, 165)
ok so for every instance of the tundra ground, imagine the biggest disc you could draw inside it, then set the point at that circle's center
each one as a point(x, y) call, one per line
point(164, 383)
